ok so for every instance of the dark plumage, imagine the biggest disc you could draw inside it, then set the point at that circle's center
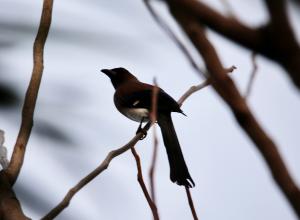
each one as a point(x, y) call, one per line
point(133, 99)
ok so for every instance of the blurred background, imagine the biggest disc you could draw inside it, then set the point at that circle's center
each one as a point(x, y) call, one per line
point(76, 123)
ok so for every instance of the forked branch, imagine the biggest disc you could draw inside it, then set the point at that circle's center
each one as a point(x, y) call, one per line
point(84, 181)
point(10, 208)
point(227, 89)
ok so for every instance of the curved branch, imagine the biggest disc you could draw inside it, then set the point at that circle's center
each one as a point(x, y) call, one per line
point(226, 88)
point(84, 181)
point(227, 26)
point(266, 40)
point(17, 158)
point(111, 155)
point(202, 85)
point(150, 201)
point(10, 208)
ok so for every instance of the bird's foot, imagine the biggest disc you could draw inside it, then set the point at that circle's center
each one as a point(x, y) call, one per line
point(141, 130)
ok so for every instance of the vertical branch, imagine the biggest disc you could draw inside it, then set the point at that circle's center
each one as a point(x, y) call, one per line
point(153, 166)
point(153, 116)
point(143, 186)
point(191, 203)
point(252, 76)
point(192, 90)
point(10, 208)
point(150, 201)
point(17, 158)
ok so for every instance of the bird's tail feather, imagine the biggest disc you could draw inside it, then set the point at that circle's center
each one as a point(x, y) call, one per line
point(178, 170)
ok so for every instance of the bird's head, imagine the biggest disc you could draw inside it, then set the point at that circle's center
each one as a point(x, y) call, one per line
point(118, 75)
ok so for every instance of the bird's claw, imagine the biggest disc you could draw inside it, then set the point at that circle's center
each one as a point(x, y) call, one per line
point(141, 130)
point(144, 133)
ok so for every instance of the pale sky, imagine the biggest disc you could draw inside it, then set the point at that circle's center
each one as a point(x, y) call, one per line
point(232, 181)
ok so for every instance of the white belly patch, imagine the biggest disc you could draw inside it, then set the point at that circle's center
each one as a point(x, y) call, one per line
point(136, 114)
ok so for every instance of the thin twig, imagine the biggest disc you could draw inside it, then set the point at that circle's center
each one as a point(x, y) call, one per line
point(153, 115)
point(153, 165)
point(143, 186)
point(173, 36)
point(191, 203)
point(150, 201)
point(18, 154)
point(252, 76)
point(202, 85)
point(228, 8)
point(84, 181)
point(65, 202)
point(155, 91)
point(192, 90)
point(229, 70)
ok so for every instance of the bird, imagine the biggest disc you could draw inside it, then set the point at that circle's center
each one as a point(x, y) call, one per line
point(133, 99)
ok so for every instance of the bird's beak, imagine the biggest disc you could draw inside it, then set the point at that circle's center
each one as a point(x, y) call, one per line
point(108, 72)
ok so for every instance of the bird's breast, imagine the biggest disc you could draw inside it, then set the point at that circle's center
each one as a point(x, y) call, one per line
point(136, 114)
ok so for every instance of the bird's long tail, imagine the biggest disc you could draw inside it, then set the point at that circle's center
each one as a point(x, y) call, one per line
point(178, 170)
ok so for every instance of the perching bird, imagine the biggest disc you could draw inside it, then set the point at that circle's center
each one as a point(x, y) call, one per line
point(133, 99)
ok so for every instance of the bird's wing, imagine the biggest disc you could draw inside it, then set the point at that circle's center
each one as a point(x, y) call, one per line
point(142, 98)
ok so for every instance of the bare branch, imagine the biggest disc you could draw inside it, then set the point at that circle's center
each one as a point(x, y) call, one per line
point(155, 91)
point(194, 89)
point(230, 69)
point(228, 27)
point(191, 203)
point(173, 36)
point(226, 88)
point(150, 201)
point(143, 186)
point(252, 76)
point(228, 8)
point(278, 15)
point(265, 40)
point(17, 158)
point(65, 202)
point(153, 165)
point(10, 208)
point(286, 52)
point(153, 115)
